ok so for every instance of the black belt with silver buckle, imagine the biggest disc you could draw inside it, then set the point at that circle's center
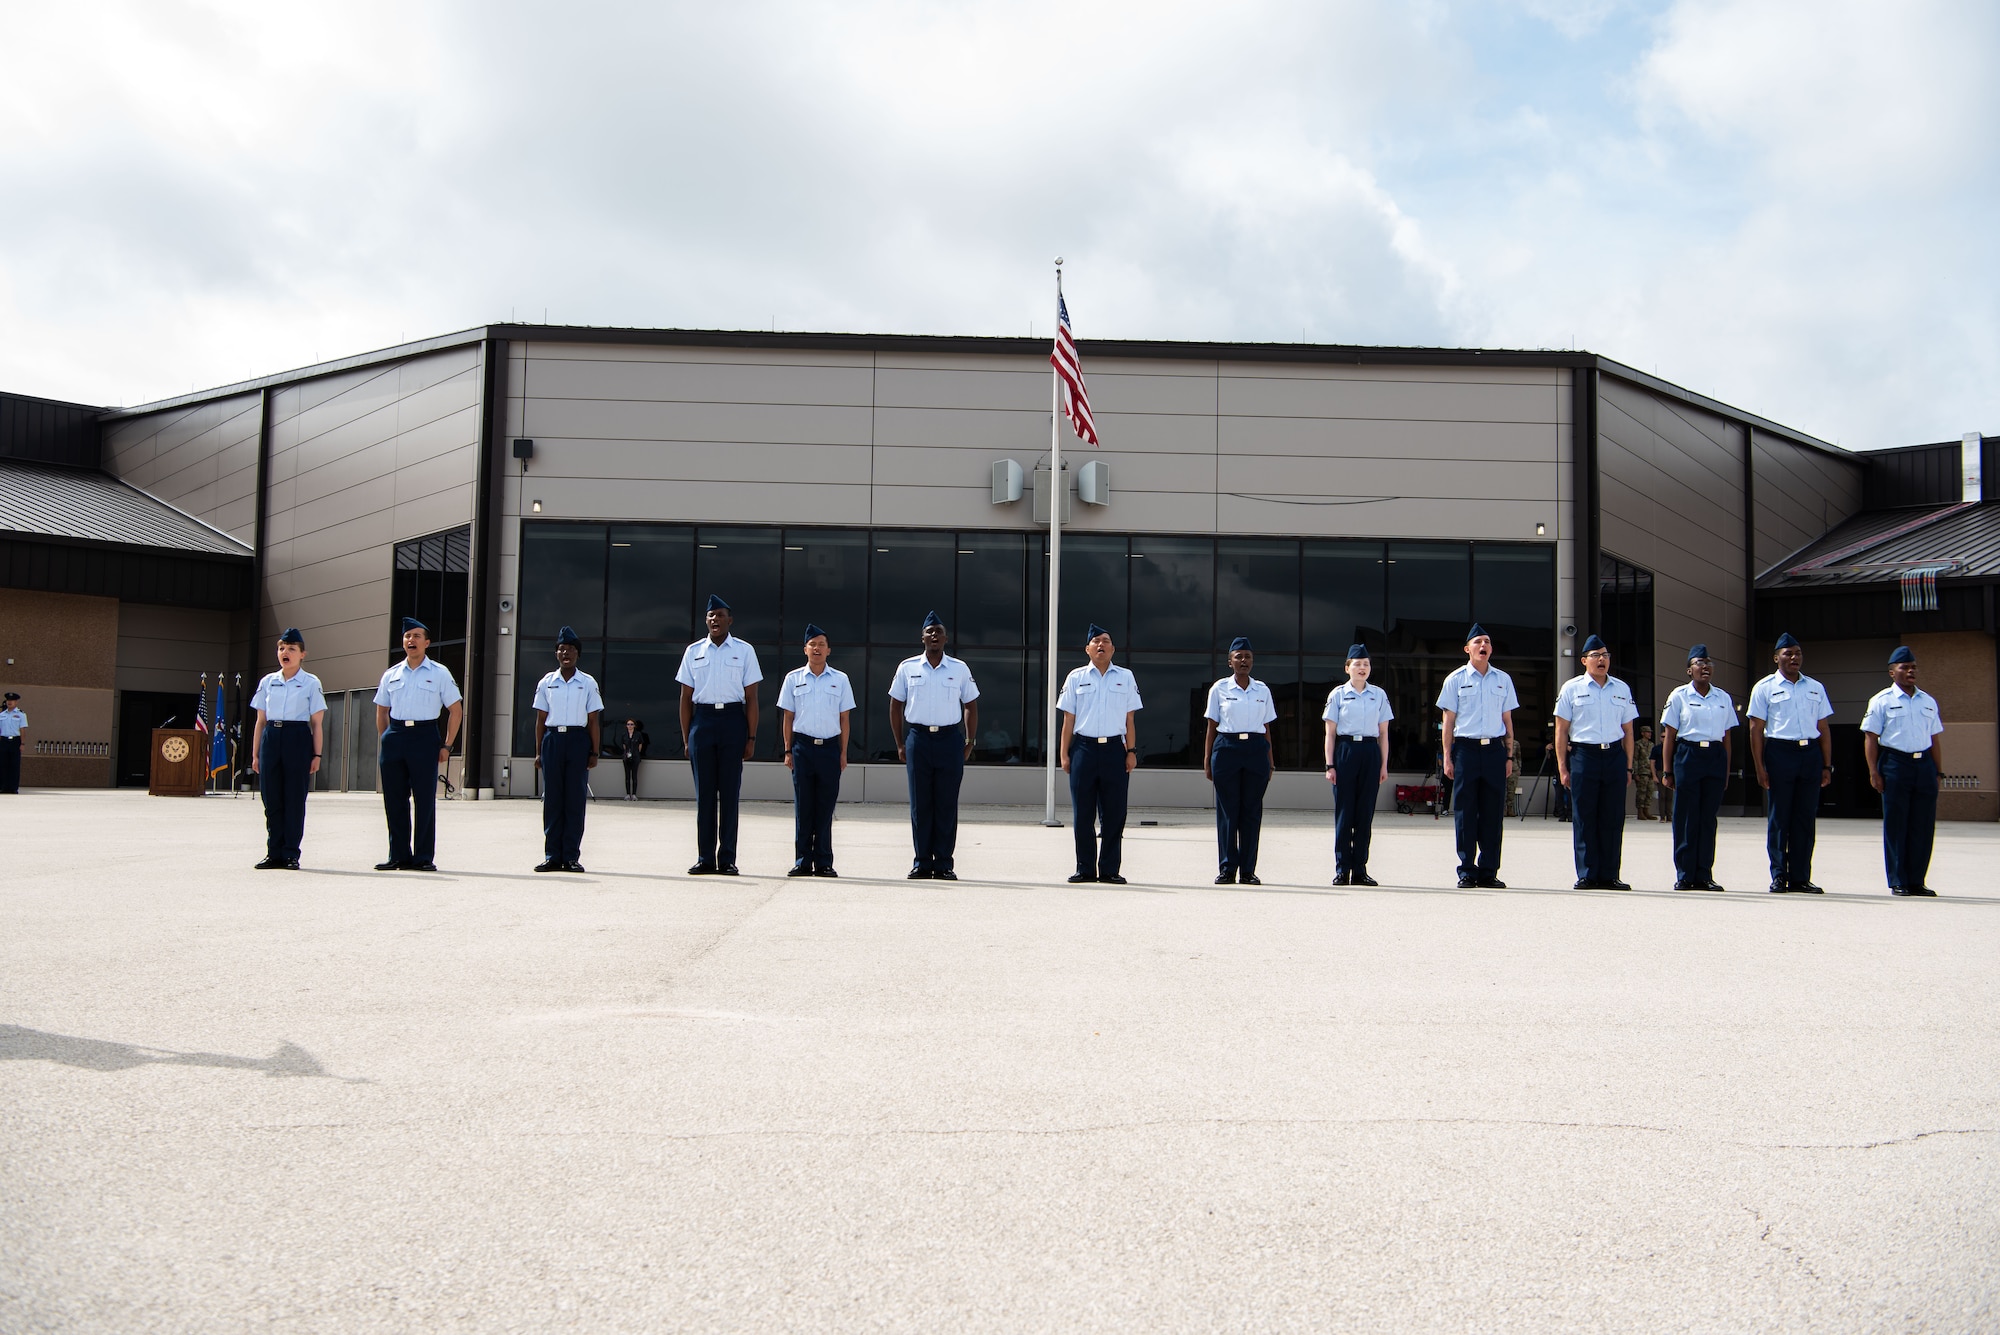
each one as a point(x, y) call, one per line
point(1908, 755)
point(275, 722)
point(1593, 746)
point(1101, 740)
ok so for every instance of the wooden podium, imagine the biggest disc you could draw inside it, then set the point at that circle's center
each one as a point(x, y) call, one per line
point(180, 763)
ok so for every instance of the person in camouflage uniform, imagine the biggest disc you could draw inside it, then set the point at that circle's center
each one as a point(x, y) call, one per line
point(1642, 775)
point(1513, 776)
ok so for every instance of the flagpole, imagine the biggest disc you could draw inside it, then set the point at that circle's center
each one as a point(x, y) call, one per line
point(1057, 494)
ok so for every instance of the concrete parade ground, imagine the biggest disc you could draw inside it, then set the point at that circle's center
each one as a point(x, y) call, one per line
point(489, 1100)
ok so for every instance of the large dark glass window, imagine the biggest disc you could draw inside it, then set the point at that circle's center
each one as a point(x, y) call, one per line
point(1257, 593)
point(1626, 592)
point(634, 592)
point(1173, 593)
point(432, 585)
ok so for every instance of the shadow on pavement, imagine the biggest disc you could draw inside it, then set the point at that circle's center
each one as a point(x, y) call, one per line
point(95, 1054)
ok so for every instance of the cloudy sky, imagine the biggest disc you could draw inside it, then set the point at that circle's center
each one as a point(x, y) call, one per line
point(1787, 204)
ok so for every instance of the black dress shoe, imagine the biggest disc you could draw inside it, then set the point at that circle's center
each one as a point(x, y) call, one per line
point(291, 864)
point(1492, 883)
point(572, 866)
point(420, 866)
point(825, 871)
point(271, 864)
point(1227, 878)
point(1362, 878)
point(549, 864)
point(1112, 880)
point(1586, 885)
point(944, 875)
point(1343, 878)
point(702, 868)
point(1807, 888)
point(1780, 888)
point(1710, 885)
point(800, 869)
point(1467, 882)
point(1078, 878)
point(1918, 891)
point(919, 874)
point(1688, 885)
point(727, 869)
point(1247, 878)
point(1617, 885)
point(391, 865)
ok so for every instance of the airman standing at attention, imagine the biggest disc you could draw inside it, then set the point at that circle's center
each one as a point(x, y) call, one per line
point(1594, 713)
point(1793, 750)
point(1100, 748)
point(568, 721)
point(1236, 757)
point(1357, 719)
point(1478, 702)
point(934, 715)
point(413, 695)
point(815, 709)
point(12, 723)
point(285, 748)
point(1694, 740)
point(1900, 732)
point(718, 678)
point(1642, 774)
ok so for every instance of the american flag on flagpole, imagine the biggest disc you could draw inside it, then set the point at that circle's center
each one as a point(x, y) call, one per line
point(1069, 368)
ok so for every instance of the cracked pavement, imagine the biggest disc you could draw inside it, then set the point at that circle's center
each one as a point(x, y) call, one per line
point(632, 1101)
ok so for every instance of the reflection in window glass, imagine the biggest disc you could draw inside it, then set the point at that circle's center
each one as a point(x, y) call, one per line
point(651, 593)
point(1345, 591)
point(1280, 672)
point(1412, 685)
point(826, 583)
point(638, 682)
point(1514, 596)
point(1430, 596)
point(1094, 585)
point(992, 582)
point(1001, 674)
point(879, 743)
point(911, 576)
point(1175, 689)
point(1257, 593)
point(742, 565)
point(562, 581)
point(1173, 592)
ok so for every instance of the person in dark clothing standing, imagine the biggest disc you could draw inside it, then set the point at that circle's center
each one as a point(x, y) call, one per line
point(634, 743)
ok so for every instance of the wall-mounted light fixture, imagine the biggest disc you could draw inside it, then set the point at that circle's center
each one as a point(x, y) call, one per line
point(1541, 529)
point(524, 450)
point(538, 507)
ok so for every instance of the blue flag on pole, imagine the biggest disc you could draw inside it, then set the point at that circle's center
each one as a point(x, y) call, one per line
point(218, 755)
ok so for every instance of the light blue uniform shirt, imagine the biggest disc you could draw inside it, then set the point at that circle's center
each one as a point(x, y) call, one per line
point(1791, 710)
point(12, 720)
point(1099, 700)
point(1698, 718)
point(719, 673)
point(1596, 714)
point(421, 693)
point(568, 704)
point(933, 697)
point(1238, 710)
point(816, 702)
point(1481, 703)
point(294, 701)
point(1357, 713)
point(1903, 722)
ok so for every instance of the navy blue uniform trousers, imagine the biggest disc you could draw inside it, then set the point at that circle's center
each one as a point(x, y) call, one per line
point(1700, 775)
point(565, 788)
point(815, 790)
point(409, 764)
point(1098, 784)
point(936, 768)
point(1478, 804)
point(1357, 770)
point(715, 749)
point(10, 764)
point(1597, 779)
point(284, 773)
point(1909, 816)
point(1791, 808)
point(1242, 773)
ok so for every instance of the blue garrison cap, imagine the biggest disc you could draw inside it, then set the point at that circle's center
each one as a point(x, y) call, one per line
point(932, 619)
point(1595, 643)
point(411, 623)
point(1476, 631)
point(1902, 655)
point(1094, 631)
point(1357, 651)
point(1240, 642)
point(290, 635)
point(1786, 641)
point(715, 604)
point(812, 632)
point(1697, 651)
point(567, 635)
